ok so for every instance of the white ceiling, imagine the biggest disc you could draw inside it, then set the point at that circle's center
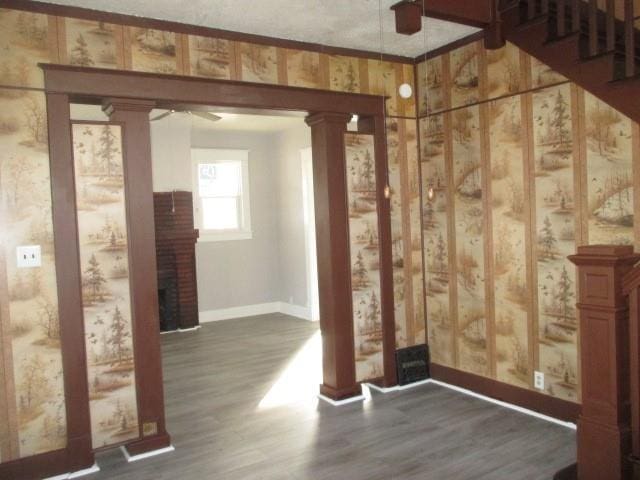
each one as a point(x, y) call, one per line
point(338, 23)
point(247, 123)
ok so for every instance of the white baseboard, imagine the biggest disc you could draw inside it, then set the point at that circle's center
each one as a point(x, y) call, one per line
point(80, 473)
point(296, 311)
point(239, 312)
point(253, 310)
point(377, 388)
point(142, 456)
point(337, 403)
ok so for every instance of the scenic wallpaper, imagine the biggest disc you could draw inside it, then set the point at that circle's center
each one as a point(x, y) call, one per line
point(93, 44)
point(365, 255)
point(525, 176)
point(32, 401)
point(102, 231)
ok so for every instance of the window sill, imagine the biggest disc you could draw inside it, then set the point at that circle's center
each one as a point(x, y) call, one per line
point(224, 237)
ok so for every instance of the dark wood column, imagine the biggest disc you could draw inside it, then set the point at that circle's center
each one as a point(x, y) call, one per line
point(604, 439)
point(332, 238)
point(134, 115)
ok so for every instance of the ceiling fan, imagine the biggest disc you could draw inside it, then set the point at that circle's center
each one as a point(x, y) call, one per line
point(202, 114)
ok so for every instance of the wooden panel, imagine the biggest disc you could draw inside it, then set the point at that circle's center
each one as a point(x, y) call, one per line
point(504, 74)
point(510, 286)
point(24, 42)
point(464, 74)
point(344, 74)
point(435, 226)
point(553, 154)
point(92, 44)
point(365, 255)
point(153, 50)
point(430, 86)
point(104, 258)
point(258, 63)
point(470, 237)
point(608, 139)
point(210, 57)
point(303, 68)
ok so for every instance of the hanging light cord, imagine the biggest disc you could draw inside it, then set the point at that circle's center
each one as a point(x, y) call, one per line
point(384, 86)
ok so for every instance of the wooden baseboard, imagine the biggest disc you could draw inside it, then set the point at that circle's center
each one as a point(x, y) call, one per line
point(148, 444)
point(47, 464)
point(538, 402)
point(567, 473)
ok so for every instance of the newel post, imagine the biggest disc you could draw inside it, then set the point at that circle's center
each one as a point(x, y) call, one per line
point(604, 438)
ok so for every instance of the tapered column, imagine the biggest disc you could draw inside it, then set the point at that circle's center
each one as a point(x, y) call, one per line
point(332, 239)
point(604, 438)
point(134, 115)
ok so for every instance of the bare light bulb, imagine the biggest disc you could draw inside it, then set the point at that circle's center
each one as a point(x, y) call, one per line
point(405, 90)
point(431, 193)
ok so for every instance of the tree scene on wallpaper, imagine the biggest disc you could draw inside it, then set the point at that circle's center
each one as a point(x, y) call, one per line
point(397, 230)
point(470, 237)
point(417, 332)
point(436, 254)
point(365, 255)
point(542, 75)
point(382, 81)
point(555, 231)
point(503, 67)
point(210, 57)
point(259, 63)
point(465, 79)
point(153, 50)
point(511, 294)
point(24, 42)
point(105, 282)
point(609, 174)
point(92, 44)
point(303, 69)
point(344, 74)
point(32, 384)
point(431, 87)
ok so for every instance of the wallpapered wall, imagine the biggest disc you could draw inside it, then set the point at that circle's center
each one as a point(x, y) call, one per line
point(32, 413)
point(524, 166)
point(104, 262)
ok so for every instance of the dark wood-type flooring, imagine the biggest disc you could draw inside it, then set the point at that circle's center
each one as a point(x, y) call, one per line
point(215, 379)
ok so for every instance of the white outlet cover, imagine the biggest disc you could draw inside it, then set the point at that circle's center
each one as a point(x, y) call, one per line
point(538, 380)
point(28, 256)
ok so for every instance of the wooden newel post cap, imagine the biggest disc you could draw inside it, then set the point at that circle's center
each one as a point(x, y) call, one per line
point(604, 255)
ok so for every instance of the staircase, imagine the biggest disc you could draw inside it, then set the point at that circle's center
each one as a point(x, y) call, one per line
point(593, 43)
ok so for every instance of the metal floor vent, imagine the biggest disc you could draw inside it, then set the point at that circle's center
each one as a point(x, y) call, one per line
point(413, 364)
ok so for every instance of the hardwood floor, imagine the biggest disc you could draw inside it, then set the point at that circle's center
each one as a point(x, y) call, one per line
point(218, 380)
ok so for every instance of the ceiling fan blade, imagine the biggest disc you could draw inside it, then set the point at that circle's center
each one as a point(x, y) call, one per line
point(161, 116)
point(207, 116)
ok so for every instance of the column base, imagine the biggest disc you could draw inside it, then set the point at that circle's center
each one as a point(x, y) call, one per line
point(338, 395)
point(602, 451)
point(147, 445)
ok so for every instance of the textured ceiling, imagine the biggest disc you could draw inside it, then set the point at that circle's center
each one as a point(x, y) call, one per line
point(338, 23)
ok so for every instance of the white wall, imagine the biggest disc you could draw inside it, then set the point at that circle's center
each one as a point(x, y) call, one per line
point(270, 267)
point(292, 260)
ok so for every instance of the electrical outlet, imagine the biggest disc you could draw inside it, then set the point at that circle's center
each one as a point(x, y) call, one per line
point(538, 380)
point(28, 256)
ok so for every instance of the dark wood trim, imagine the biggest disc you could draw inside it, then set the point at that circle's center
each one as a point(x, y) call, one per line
point(136, 147)
point(538, 402)
point(82, 82)
point(476, 13)
point(408, 17)
point(386, 254)
point(78, 454)
point(131, 20)
point(449, 47)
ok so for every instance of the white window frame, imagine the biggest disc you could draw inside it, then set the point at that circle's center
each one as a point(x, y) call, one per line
point(217, 155)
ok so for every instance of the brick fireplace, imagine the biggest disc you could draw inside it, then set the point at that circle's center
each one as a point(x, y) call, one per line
point(175, 252)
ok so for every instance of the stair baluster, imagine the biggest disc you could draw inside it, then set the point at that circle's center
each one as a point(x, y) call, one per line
point(629, 38)
point(611, 25)
point(561, 25)
point(593, 28)
point(575, 15)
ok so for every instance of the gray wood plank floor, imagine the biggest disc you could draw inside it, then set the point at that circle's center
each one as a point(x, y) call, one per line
point(215, 379)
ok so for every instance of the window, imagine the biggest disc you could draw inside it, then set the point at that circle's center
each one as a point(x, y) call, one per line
point(221, 194)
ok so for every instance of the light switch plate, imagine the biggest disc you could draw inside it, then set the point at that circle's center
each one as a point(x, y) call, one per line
point(29, 256)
